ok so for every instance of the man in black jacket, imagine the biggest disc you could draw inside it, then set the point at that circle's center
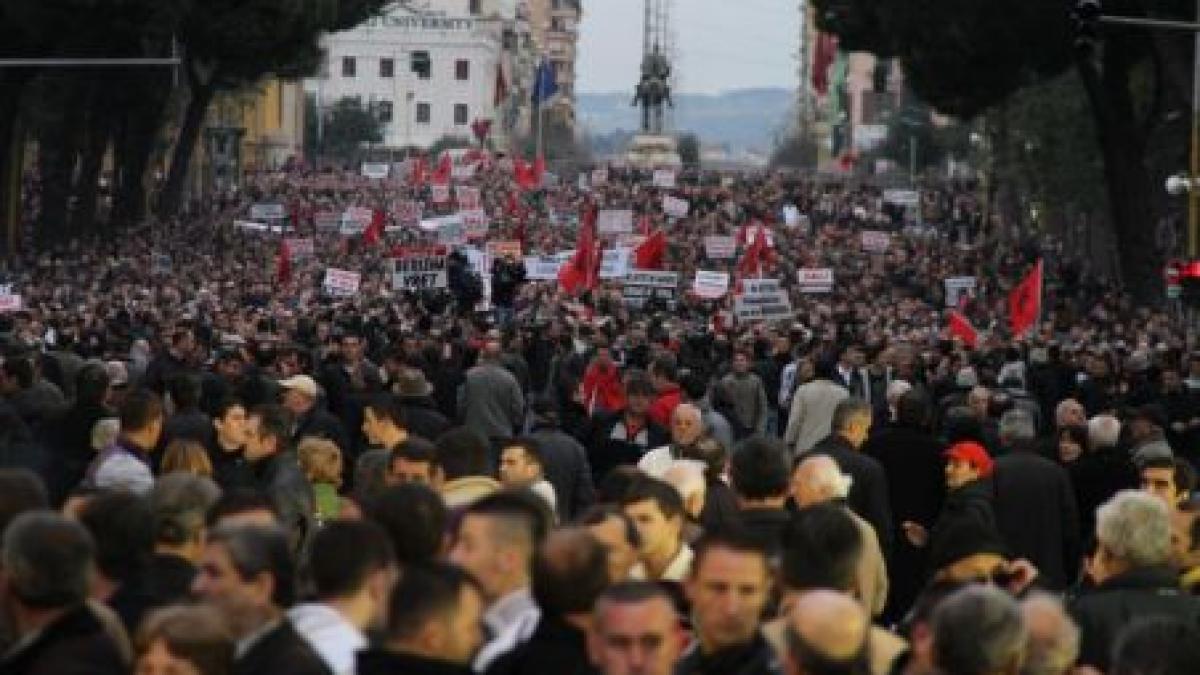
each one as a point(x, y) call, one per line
point(277, 475)
point(1131, 575)
point(247, 574)
point(728, 588)
point(434, 618)
point(564, 461)
point(1035, 504)
point(869, 492)
point(47, 566)
point(420, 415)
point(760, 475)
point(570, 572)
point(299, 396)
point(968, 495)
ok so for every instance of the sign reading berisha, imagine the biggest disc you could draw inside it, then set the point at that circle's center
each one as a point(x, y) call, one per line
point(762, 300)
point(419, 269)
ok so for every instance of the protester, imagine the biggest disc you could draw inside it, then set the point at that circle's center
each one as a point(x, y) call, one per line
point(126, 464)
point(179, 503)
point(183, 639)
point(657, 511)
point(636, 630)
point(827, 632)
point(979, 631)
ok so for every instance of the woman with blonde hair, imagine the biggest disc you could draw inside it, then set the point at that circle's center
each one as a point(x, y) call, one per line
point(321, 461)
point(186, 456)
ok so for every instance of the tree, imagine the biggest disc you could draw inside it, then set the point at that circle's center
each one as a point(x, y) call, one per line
point(966, 56)
point(348, 127)
point(689, 150)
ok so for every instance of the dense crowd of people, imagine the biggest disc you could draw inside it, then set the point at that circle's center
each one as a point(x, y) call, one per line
point(209, 464)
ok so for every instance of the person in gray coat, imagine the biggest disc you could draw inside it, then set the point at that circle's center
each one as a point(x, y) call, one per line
point(277, 474)
point(490, 400)
point(811, 417)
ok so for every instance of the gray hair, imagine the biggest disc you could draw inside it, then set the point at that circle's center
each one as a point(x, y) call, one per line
point(1053, 643)
point(258, 549)
point(1135, 527)
point(848, 410)
point(1017, 425)
point(48, 560)
point(180, 502)
point(978, 630)
point(687, 477)
point(1103, 432)
point(1066, 407)
point(824, 474)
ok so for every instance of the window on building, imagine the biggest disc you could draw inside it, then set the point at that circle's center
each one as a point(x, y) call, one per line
point(387, 67)
point(476, 7)
point(558, 24)
point(460, 114)
point(462, 69)
point(348, 66)
point(424, 113)
point(383, 111)
point(422, 65)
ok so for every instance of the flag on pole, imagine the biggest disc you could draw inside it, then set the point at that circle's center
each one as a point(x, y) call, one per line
point(283, 265)
point(1025, 302)
point(961, 328)
point(544, 84)
point(823, 57)
point(417, 175)
point(525, 174)
point(501, 86)
point(374, 232)
point(583, 269)
point(445, 167)
point(650, 253)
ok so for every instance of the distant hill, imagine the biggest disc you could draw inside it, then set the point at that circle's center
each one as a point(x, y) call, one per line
point(743, 119)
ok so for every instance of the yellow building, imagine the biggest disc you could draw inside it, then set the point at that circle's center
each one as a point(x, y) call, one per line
point(272, 115)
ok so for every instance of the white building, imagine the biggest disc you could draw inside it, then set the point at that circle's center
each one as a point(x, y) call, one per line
point(428, 68)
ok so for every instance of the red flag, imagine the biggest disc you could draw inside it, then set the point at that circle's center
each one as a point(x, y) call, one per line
point(752, 260)
point(525, 174)
point(650, 253)
point(417, 175)
point(961, 328)
point(441, 175)
point(1025, 302)
point(582, 271)
point(539, 170)
point(374, 232)
point(283, 265)
point(501, 86)
point(823, 57)
point(644, 225)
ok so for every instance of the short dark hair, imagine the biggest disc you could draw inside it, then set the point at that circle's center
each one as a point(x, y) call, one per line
point(139, 409)
point(274, 421)
point(821, 549)
point(660, 492)
point(735, 539)
point(185, 390)
point(637, 383)
point(344, 553)
point(524, 515)
point(532, 449)
point(20, 369)
point(415, 449)
point(415, 519)
point(386, 407)
point(615, 483)
point(1157, 645)
point(567, 580)
point(122, 525)
point(21, 490)
point(633, 592)
point(463, 452)
point(225, 405)
point(599, 513)
point(91, 383)
point(425, 593)
point(239, 500)
point(760, 469)
point(254, 550)
point(665, 366)
point(48, 560)
point(913, 408)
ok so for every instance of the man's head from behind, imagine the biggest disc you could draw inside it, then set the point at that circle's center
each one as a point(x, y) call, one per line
point(353, 561)
point(46, 561)
point(1133, 530)
point(979, 630)
point(570, 571)
point(729, 586)
point(818, 479)
point(462, 452)
point(852, 421)
point(636, 631)
point(496, 540)
point(826, 633)
point(822, 547)
point(435, 612)
point(759, 473)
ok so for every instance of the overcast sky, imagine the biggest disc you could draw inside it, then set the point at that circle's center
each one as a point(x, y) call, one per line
point(722, 44)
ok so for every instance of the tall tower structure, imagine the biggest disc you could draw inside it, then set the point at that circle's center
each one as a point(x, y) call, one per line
point(654, 146)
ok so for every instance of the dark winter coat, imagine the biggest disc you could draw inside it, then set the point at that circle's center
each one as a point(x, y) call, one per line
point(1037, 516)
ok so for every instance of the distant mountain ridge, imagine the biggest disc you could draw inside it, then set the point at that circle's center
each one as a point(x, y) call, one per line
point(744, 119)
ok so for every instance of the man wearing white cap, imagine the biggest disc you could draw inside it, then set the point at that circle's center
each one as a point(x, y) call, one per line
point(300, 394)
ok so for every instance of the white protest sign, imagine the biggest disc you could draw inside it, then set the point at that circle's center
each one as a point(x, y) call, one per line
point(462, 171)
point(440, 194)
point(355, 220)
point(645, 285)
point(419, 269)
point(326, 220)
point(902, 197)
point(664, 178)
point(957, 287)
point(762, 300)
point(258, 227)
point(791, 215)
point(874, 241)
point(451, 233)
point(468, 197)
point(300, 247)
point(815, 279)
point(614, 221)
point(542, 268)
point(675, 207)
point(599, 177)
point(341, 283)
point(10, 302)
point(720, 247)
point(267, 212)
point(376, 169)
point(710, 285)
point(615, 263)
point(476, 223)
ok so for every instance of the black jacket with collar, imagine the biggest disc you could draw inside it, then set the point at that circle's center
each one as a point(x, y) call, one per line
point(755, 658)
point(75, 644)
point(869, 492)
point(555, 647)
point(281, 650)
point(377, 661)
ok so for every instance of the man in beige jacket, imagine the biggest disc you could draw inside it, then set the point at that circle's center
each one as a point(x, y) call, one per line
point(811, 417)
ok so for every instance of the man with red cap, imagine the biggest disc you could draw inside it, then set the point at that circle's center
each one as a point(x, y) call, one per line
point(968, 494)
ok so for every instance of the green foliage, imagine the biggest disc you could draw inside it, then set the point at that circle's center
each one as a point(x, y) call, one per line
point(689, 149)
point(348, 127)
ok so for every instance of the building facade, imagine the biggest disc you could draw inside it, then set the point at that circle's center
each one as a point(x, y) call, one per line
point(430, 69)
point(555, 28)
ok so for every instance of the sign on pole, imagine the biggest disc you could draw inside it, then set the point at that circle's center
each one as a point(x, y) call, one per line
point(720, 247)
point(476, 223)
point(408, 213)
point(874, 241)
point(341, 283)
point(815, 279)
point(376, 169)
point(762, 300)
point(419, 269)
point(542, 268)
point(956, 287)
point(440, 194)
point(642, 286)
point(355, 220)
point(267, 212)
point(675, 207)
point(710, 285)
point(908, 198)
point(503, 249)
point(468, 197)
point(664, 178)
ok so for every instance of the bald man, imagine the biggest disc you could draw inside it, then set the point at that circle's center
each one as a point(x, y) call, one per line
point(687, 428)
point(827, 633)
point(817, 479)
point(490, 400)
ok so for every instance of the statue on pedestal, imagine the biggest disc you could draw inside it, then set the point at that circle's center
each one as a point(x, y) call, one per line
point(654, 90)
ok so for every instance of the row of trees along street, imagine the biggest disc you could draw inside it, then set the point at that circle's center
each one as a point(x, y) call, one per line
point(78, 115)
